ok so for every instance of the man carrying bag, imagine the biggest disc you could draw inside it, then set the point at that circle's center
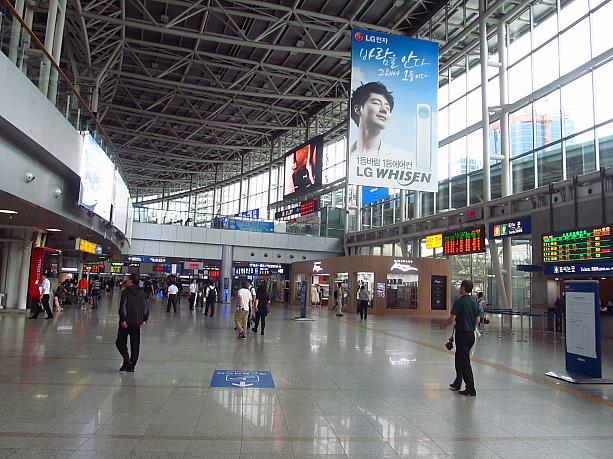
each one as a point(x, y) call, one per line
point(133, 313)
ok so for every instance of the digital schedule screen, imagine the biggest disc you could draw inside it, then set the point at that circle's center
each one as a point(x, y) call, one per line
point(464, 241)
point(588, 245)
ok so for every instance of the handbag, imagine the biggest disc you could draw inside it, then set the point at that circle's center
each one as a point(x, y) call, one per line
point(449, 343)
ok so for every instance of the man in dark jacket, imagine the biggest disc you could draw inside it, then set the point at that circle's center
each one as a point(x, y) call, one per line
point(133, 313)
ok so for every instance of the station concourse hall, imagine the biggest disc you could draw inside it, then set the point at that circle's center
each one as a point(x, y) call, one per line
point(299, 229)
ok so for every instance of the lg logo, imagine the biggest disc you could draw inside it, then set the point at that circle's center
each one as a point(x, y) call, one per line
point(359, 36)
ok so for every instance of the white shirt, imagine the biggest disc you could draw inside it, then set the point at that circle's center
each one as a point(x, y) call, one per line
point(244, 299)
point(173, 290)
point(193, 288)
point(45, 287)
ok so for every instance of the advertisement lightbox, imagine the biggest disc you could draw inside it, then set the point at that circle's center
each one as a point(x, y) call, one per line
point(121, 197)
point(303, 168)
point(97, 178)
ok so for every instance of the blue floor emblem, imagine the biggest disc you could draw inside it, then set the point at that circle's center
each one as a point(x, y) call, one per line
point(242, 378)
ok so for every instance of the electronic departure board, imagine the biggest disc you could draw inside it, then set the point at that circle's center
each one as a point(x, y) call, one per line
point(459, 242)
point(589, 245)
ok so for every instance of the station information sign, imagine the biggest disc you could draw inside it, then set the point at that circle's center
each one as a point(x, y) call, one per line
point(510, 228)
point(471, 240)
point(87, 246)
point(583, 245)
point(305, 208)
point(434, 241)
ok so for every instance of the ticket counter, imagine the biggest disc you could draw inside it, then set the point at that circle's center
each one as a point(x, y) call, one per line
point(397, 286)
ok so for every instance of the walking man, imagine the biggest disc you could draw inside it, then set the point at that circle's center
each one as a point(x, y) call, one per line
point(465, 313)
point(210, 295)
point(241, 315)
point(45, 294)
point(133, 313)
point(95, 287)
point(83, 286)
point(173, 291)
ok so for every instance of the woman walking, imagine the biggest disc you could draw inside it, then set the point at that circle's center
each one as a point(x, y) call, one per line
point(261, 307)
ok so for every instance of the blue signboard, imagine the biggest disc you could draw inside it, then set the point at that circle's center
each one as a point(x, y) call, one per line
point(516, 227)
point(529, 268)
point(253, 213)
point(575, 269)
point(145, 259)
point(583, 353)
point(257, 226)
point(372, 194)
point(253, 379)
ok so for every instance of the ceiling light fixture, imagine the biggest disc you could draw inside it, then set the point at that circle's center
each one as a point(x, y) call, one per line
point(53, 230)
point(7, 211)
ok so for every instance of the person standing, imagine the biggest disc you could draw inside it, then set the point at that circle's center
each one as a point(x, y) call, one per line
point(83, 287)
point(339, 299)
point(173, 291)
point(314, 295)
point(241, 315)
point(133, 313)
point(95, 287)
point(465, 313)
point(210, 295)
point(261, 307)
point(45, 294)
point(193, 294)
point(363, 302)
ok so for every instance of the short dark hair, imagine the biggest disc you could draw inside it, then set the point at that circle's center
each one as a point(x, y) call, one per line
point(360, 96)
point(468, 285)
point(134, 278)
point(244, 284)
point(480, 295)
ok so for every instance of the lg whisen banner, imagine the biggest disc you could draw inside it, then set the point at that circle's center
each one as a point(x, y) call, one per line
point(392, 135)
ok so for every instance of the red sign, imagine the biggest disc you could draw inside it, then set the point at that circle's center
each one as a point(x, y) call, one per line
point(36, 271)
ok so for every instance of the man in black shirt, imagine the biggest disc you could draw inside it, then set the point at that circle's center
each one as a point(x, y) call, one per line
point(133, 313)
point(465, 313)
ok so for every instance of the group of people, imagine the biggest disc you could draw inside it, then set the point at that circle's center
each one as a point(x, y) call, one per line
point(251, 306)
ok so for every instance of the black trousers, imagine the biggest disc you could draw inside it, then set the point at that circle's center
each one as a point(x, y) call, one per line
point(209, 305)
point(464, 340)
point(133, 331)
point(172, 300)
point(260, 316)
point(36, 309)
point(192, 300)
point(363, 309)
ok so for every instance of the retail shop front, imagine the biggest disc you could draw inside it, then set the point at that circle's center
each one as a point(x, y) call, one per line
point(396, 286)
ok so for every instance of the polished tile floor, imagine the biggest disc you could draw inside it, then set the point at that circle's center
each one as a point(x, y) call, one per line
point(344, 388)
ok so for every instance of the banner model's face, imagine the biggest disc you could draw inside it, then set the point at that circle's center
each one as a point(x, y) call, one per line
point(375, 113)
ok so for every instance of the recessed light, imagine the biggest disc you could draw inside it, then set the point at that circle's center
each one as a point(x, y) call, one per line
point(53, 230)
point(7, 211)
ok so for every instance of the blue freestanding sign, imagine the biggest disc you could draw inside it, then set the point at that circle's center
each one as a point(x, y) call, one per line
point(583, 347)
point(303, 299)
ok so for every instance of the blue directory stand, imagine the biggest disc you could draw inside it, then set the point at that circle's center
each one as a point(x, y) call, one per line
point(303, 302)
point(583, 347)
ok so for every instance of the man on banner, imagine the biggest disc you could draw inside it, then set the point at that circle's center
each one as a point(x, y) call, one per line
point(371, 110)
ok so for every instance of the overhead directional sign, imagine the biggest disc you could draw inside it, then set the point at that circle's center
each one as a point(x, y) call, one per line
point(87, 246)
point(509, 228)
point(253, 379)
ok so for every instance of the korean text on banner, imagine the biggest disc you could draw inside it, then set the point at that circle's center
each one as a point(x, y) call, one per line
point(393, 108)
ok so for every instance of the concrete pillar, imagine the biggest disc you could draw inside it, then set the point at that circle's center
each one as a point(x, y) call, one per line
point(24, 272)
point(16, 33)
point(4, 261)
point(57, 49)
point(227, 258)
point(43, 83)
point(485, 114)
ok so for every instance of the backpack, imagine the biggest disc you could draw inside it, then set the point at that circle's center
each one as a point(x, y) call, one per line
point(211, 293)
point(336, 294)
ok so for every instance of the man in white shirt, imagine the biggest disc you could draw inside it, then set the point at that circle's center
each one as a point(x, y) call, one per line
point(45, 294)
point(193, 292)
point(241, 316)
point(173, 291)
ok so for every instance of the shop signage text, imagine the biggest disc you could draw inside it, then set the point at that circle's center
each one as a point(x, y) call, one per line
point(403, 266)
point(317, 267)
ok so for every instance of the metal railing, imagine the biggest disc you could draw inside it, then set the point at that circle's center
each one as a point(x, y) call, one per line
point(23, 47)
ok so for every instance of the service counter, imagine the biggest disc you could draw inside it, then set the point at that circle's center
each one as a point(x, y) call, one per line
point(395, 285)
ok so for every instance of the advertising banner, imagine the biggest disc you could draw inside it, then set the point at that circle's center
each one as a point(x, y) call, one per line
point(393, 109)
point(373, 194)
point(257, 226)
point(97, 177)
